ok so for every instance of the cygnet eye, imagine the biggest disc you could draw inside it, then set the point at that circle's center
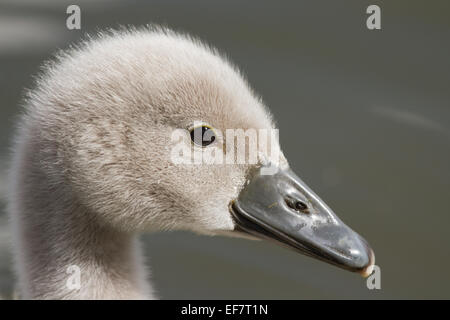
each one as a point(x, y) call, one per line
point(203, 135)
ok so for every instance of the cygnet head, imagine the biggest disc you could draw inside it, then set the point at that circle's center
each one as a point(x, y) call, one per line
point(119, 108)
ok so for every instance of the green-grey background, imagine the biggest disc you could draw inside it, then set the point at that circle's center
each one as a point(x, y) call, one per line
point(364, 118)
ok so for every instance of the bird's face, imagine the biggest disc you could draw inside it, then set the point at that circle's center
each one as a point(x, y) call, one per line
point(257, 195)
point(184, 144)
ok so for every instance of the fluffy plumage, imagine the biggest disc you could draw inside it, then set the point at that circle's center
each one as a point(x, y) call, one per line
point(91, 164)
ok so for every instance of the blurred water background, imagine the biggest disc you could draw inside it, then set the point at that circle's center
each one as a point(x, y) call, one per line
point(364, 118)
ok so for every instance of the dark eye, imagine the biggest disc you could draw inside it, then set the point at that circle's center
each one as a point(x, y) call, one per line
point(203, 136)
point(297, 205)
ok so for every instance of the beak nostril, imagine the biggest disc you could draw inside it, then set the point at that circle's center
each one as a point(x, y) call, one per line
point(297, 205)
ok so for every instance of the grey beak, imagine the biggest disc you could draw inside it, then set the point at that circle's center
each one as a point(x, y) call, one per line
point(283, 208)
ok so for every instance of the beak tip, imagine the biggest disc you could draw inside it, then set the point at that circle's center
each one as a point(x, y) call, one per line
point(368, 269)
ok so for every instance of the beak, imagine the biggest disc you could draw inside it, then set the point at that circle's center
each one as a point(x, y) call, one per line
point(282, 208)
